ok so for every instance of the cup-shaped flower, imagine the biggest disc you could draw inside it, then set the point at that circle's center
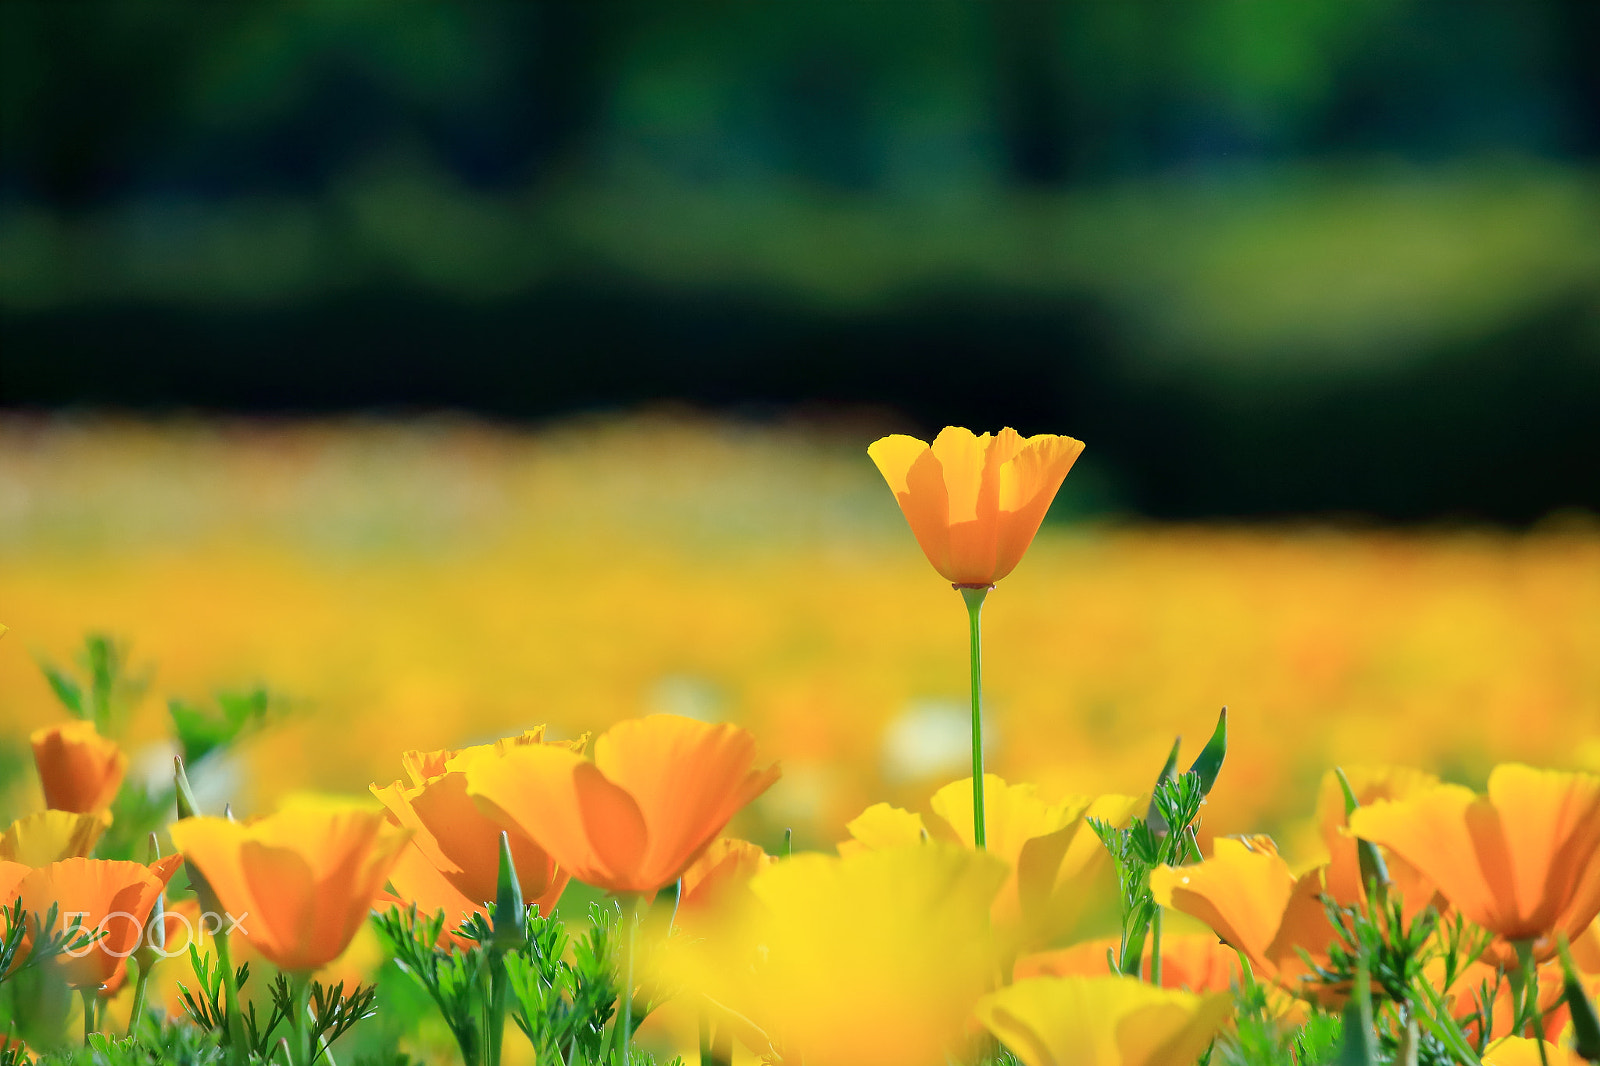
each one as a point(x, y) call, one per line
point(1246, 893)
point(1525, 1051)
point(1191, 962)
point(659, 790)
point(1052, 851)
point(871, 959)
point(975, 503)
point(1343, 872)
point(45, 837)
point(109, 899)
point(722, 870)
point(1520, 861)
point(79, 769)
point(1102, 1021)
point(453, 834)
point(299, 882)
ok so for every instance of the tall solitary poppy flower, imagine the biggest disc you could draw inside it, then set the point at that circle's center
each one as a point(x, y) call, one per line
point(660, 789)
point(79, 769)
point(975, 504)
point(1522, 861)
point(300, 882)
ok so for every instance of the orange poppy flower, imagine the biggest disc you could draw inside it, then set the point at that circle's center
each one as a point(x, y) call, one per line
point(417, 881)
point(1343, 872)
point(1246, 893)
point(299, 882)
point(974, 502)
point(104, 896)
point(455, 836)
point(1193, 962)
point(1520, 861)
point(658, 792)
point(80, 770)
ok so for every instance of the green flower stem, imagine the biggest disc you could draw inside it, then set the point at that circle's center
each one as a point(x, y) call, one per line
point(302, 1048)
point(237, 1052)
point(495, 1019)
point(974, 599)
point(1525, 996)
point(139, 990)
point(1155, 947)
point(623, 1038)
point(88, 998)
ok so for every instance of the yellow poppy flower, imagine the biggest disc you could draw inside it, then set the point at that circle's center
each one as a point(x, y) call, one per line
point(49, 836)
point(975, 503)
point(1102, 1021)
point(872, 959)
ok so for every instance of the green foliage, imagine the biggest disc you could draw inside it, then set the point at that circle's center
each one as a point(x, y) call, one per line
point(1259, 1037)
point(202, 730)
point(1166, 836)
point(562, 1004)
point(107, 688)
point(166, 1043)
point(563, 993)
point(47, 941)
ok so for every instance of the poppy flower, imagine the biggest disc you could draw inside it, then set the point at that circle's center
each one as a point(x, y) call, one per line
point(1525, 1051)
point(1246, 893)
point(1107, 1021)
point(110, 897)
point(975, 503)
point(722, 869)
point(299, 882)
point(79, 769)
point(49, 836)
point(1050, 847)
point(453, 835)
point(1192, 962)
point(659, 790)
point(1343, 873)
point(415, 881)
point(872, 958)
point(1520, 861)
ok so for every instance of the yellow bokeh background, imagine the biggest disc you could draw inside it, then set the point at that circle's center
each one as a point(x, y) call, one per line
point(430, 583)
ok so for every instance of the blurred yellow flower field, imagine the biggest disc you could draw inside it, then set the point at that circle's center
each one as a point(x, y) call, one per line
point(426, 585)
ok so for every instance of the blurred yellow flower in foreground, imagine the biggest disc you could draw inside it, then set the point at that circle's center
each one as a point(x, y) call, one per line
point(660, 789)
point(1520, 861)
point(1102, 1021)
point(50, 836)
point(299, 882)
point(79, 769)
point(872, 959)
point(974, 502)
point(1523, 1051)
point(1050, 848)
